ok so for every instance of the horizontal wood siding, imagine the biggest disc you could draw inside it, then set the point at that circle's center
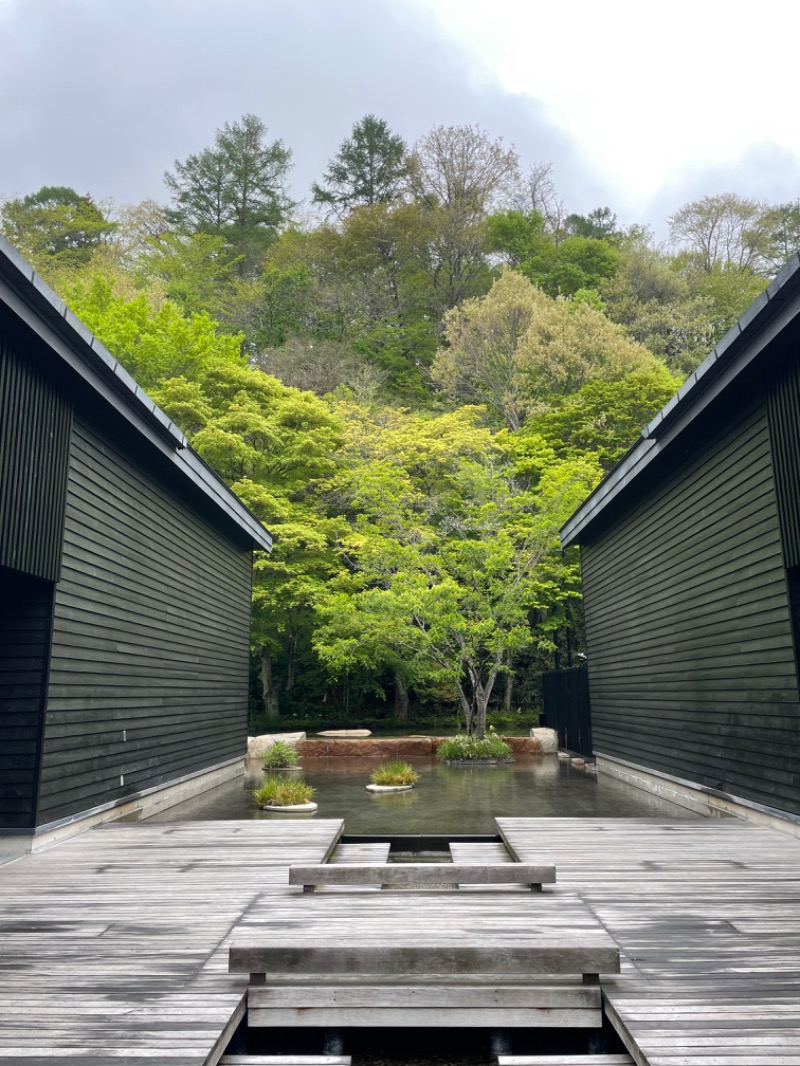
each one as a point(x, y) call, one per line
point(149, 672)
point(35, 420)
point(691, 661)
point(25, 620)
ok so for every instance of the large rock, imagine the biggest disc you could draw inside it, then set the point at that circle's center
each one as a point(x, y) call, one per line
point(256, 746)
point(524, 745)
point(371, 747)
point(548, 738)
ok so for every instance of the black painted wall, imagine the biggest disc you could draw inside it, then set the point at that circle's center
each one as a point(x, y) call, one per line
point(35, 422)
point(150, 653)
point(25, 618)
point(691, 655)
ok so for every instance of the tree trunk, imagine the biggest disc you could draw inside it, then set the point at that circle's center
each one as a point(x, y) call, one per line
point(291, 662)
point(509, 690)
point(400, 697)
point(466, 708)
point(270, 696)
point(483, 693)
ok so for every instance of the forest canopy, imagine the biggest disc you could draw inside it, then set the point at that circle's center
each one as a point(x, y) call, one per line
point(412, 380)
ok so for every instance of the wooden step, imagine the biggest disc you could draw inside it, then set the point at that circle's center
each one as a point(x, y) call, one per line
point(402, 1005)
point(414, 873)
point(565, 1060)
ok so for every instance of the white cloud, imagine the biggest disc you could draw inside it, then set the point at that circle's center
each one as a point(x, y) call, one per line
point(646, 91)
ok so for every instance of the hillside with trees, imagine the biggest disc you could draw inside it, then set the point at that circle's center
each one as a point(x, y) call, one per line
point(412, 380)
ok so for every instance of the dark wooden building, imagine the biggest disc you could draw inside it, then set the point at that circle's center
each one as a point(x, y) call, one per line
point(690, 552)
point(125, 578)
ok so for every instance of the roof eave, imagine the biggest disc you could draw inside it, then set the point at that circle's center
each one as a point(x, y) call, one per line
point(764, 319)
point(36, 304)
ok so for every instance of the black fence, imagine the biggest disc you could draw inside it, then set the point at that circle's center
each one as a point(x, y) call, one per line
point(566, 708)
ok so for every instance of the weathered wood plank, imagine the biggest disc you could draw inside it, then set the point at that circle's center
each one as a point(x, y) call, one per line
point(423, 872)
point(426, 1018)
point(548, 954)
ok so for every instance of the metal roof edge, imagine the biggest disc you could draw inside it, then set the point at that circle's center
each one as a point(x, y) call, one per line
point(740, 345)
point(81, 350)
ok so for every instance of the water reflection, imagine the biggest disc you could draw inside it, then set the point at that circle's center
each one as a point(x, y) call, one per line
point(447, 799)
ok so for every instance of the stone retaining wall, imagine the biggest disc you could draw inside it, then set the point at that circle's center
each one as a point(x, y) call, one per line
point(396, 747)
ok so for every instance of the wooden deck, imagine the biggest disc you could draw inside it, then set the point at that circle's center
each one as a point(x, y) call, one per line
point(114, 945)
point(707, 917)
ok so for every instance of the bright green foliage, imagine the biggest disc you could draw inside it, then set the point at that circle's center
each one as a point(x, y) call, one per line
point(575, 263)
point(369, 168)
point(559, 267)
point(603, 418)
point(153, 343)
point(518, 236)
point(472, 749)
point(282, 792)
point(450, 555)
point(55, 228)
point(394, 773)
point(280, 756)
point(235, 190)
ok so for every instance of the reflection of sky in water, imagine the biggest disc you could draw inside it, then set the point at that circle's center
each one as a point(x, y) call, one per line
point(447, 799)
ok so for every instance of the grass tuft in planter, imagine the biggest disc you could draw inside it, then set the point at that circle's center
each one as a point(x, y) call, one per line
point(470, 749)
point(280, 756)
point(394, 773)
point(280, 792)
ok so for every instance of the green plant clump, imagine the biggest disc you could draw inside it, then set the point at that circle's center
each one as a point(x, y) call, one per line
point(280, 755)
point(470, 749)
point(394, 773)
point(280, 792)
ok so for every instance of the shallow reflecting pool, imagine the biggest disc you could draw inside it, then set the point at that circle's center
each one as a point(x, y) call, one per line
point(447, 799)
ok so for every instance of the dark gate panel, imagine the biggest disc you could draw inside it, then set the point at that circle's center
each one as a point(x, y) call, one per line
point(567, 708)
point(26, 607)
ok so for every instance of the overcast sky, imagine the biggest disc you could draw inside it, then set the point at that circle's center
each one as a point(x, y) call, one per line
point(638, 106)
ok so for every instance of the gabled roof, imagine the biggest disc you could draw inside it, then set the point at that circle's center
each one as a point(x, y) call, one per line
point(763, 320)
point(35, 303)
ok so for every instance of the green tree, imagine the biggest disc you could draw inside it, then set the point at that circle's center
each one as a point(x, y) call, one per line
point(782, 223)
point(449, 556)
point(235, 189)
point(600, 224)
point(460, 175)
point(152, 342)
point(369, 168)
point(604, 418)
point(516, 349)
point(723, 231)
point(55, 228)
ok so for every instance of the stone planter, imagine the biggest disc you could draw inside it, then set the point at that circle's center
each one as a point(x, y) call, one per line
point(389, 788)
point(293, 808)
point(477, 762)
